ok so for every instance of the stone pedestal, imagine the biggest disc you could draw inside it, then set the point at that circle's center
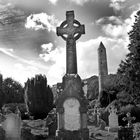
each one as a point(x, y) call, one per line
point(71, 111)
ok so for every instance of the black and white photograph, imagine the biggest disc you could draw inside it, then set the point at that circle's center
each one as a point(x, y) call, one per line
point(69, 69)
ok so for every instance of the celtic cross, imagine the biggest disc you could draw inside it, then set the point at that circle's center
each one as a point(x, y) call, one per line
point(129, 119)
point(71, 30)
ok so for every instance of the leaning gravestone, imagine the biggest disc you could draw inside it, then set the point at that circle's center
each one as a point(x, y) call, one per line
point(71, 105)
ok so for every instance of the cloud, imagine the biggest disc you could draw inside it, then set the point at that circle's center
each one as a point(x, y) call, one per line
point(48, 54)
point(117, 5)
point(42, 21)
point(7, 51)
point(58, 57)
point(87, 57)
point(19, 72)
point(10, 53)
point(53, 1)
point(116, 26)
point(112, 19)
point(24, 72)
point(47, 47)
point(81, 2)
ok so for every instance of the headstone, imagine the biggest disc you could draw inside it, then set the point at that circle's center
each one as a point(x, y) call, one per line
point(71, 105)
point(12, 126)
point(113, 118)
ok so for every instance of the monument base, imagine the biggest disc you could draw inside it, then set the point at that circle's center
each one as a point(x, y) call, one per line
point(72, 135)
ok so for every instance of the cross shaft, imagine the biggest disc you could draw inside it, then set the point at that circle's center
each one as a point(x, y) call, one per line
point(71, 30)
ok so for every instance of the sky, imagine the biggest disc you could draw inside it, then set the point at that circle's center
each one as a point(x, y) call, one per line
point(29, 44)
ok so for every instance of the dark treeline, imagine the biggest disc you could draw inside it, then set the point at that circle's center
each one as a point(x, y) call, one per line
point(36, 95)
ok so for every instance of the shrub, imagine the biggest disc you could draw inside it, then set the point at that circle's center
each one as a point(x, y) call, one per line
point(38, 97)
point(13, 91)
point(12, 107)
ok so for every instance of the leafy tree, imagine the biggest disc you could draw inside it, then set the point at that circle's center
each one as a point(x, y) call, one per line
point(93, 89)
point(38, 96)
point(13, 91)
point(113, 85)
point(1, 91)
point(130, 67)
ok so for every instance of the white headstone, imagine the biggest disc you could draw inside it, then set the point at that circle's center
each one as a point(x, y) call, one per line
point(71, 114)
point(12, 126)
point(113, 118)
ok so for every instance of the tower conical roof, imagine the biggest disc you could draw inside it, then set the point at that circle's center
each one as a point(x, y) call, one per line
point(101, 46)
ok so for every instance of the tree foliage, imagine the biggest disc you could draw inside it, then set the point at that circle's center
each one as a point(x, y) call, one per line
point(130, 67)
point(13, 91)
point(1, 91)
point(38, 96)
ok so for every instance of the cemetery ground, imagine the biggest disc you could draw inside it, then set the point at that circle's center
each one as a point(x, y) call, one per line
point(44, 129)
point(39, 130)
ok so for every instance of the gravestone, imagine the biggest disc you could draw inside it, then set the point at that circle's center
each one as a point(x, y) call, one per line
point(71, 105)
point(113, 118)
point(12, 126)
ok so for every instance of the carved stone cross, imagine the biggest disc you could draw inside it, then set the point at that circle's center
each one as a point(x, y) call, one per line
point(71, 30)
point(129, 119)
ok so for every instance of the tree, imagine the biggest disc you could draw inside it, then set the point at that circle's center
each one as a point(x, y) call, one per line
point(13, 91)
point(38, 96)
point(1, 91)
point(130, 67)
point(112, 86)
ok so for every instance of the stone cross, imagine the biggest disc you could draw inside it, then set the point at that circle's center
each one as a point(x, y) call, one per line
point(71, 30)
point(129, 119)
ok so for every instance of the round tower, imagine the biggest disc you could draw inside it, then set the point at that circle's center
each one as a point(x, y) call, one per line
point(102, 68)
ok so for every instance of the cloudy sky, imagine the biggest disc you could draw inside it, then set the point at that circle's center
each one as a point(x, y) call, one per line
point(29, 44)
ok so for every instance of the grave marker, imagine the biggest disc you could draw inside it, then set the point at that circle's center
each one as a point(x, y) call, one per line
point(113, 118)
point(129, 119)
point(12, 126)
point(71, 105)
